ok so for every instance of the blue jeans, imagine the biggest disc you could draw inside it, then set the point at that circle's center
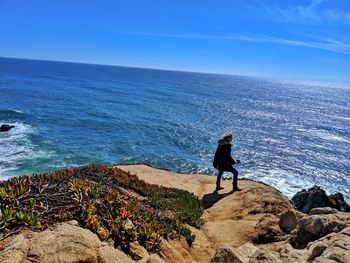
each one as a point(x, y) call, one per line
point(233, 171)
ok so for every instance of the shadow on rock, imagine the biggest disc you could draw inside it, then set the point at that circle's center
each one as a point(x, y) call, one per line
point(210, 199)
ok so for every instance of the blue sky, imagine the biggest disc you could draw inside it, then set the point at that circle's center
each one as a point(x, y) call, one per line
point(281, 39)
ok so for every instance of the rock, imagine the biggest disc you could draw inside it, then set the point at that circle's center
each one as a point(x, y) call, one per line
point(262, 256)
point(108, 254)
point(288, 221)
point(323, 211)
point(154, 258)
point(314, 197)
point(62, 243)
point(339, 203)
point(304, 200)
point(137, 251)
point(15, 251)
point(333, 247)
point(267, 230)
point(316, 250)
point(65, 243)
point(227, 254)
point(6, 127)
point(247, 249)
point(287, 254)
point(314, 227)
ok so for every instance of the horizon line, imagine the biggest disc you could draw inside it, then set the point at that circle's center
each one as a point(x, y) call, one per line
point(266, 76)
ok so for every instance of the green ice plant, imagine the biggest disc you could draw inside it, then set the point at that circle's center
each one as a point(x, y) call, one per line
point(15, 187)
point(10, 217)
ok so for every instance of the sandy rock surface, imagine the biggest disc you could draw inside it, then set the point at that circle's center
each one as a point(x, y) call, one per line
point(229, 219)
point(63, 243)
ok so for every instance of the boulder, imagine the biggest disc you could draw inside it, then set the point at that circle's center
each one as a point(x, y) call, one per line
point(227, 254)
point(333, 247)
point(306, 200)
point(288, 221)
point(339, 203)
point(313, 227)
point(64, 242)
point(6, 127)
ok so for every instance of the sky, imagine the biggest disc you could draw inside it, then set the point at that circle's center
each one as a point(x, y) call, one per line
point(303, 40)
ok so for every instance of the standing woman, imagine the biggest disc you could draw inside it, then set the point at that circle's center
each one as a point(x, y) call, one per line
point(223, 161)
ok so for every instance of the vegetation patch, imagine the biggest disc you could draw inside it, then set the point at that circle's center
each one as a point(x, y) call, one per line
point(110, 202)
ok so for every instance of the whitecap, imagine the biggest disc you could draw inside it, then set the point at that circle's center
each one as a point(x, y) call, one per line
point(16, 146)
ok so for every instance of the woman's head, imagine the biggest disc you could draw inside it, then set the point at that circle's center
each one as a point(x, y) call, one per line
point(227, 136)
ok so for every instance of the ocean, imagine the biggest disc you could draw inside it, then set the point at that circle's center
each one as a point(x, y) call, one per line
point(288, 135)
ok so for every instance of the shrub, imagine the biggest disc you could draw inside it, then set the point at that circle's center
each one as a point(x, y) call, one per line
point(105, 200)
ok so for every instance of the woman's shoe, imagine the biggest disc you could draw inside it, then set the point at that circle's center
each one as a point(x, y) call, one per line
point(235, 187)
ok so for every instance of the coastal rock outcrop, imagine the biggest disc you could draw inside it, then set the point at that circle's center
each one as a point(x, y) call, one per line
point(6, 127)
point(257, 224)
point(306, 200)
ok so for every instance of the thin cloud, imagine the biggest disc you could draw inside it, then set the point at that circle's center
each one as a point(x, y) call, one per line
point(171, 35)
point(323, 43)
point(315, 12)
point(326, 44)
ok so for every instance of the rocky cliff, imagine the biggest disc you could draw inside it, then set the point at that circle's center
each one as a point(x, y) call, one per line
point(257, 224)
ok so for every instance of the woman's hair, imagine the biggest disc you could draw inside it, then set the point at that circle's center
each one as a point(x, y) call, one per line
point(227, 135)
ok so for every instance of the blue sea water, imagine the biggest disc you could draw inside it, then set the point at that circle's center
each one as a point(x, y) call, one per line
point(291, 136)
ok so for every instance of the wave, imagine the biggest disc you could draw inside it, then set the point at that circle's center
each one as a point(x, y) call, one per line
point(16, 147)
point(51, 77)
point(10, 115)
point(8, 111)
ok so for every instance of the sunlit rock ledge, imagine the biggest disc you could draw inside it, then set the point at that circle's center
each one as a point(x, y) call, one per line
point(256, 224)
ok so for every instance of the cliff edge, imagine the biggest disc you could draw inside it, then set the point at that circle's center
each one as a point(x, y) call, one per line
point(256, 224)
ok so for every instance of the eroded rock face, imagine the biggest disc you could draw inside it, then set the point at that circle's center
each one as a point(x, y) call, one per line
point(311, 228)
point(335, 246)
point(306, 200)
point(267, 230)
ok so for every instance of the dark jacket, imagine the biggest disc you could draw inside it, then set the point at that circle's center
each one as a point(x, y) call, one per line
point(222, 159)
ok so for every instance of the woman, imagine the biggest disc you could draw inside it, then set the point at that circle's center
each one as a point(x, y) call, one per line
point(223, 161)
